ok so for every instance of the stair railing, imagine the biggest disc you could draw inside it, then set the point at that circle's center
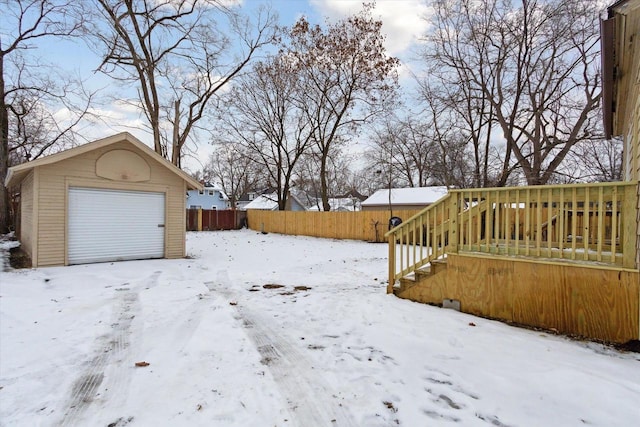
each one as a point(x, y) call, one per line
point(595, 223)
point(421, 238)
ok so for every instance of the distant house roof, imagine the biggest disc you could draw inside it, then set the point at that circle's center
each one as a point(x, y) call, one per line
point(353, 193)
point(269, 202)
point(251, 194)
point(418, 196)
point(339, 204)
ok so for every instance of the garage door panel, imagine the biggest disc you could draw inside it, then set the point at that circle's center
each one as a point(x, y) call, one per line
point(110, 225)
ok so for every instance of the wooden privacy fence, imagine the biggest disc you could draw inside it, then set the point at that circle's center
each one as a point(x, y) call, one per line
point(583, 222)
point(369, 226)
point(212, 219)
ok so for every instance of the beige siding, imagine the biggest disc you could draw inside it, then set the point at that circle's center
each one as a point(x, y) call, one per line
point(632, 166)
point(81, 171)
point(632, 133)
point(626, 118)
point(26, 215)
point(628, 111)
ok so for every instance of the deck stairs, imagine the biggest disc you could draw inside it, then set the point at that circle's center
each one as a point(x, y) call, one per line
point(578, 223)
point(422, 275)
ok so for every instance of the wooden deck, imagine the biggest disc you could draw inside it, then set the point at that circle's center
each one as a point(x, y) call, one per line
point(555, 257)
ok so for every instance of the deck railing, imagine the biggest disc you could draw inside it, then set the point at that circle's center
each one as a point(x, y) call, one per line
point(593, 223)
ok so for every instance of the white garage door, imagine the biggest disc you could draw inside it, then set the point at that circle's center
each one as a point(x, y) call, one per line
point(111, 225)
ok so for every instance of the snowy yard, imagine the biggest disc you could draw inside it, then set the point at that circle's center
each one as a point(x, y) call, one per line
point(328, 348)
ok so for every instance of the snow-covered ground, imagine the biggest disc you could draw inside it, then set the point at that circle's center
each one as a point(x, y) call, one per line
point(328, 348)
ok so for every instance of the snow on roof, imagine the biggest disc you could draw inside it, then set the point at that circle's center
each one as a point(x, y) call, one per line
point(406, 196)
point(338, 204)
point(266, 202)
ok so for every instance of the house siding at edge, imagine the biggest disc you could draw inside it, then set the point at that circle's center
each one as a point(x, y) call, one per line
point(621, 87)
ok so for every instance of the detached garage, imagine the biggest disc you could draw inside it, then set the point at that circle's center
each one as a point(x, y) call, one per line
point(110, 200)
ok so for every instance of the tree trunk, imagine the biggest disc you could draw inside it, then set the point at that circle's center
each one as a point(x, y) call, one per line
point(175, 154)
point(324, 186)
point(4, 154)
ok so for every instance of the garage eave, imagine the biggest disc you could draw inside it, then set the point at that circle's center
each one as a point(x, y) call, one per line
point(16, 173)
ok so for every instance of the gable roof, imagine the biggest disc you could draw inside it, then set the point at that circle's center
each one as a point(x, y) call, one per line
point(18, 172)
point(353, 193)
point(338, 204)
point(269, 202)
point(263, 202)
point(418, 196)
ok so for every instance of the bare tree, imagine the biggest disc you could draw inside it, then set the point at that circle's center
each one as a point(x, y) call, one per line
point(422, 150)
point(27, 93)
point(408, 154)
point(592, 161)
point(263, 118)
point(347, 77)
point(233, 169)
point(339, 177)
point(528, 68)
point(178, 57)
point(369, 178)
point(466, 120)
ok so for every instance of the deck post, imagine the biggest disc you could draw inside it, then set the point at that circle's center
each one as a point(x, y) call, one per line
point(452, 246)
point(392, 263)
point(629, 230)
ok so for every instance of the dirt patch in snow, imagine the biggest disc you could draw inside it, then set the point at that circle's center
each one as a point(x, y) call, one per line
point(633, 346)
point(18, 258)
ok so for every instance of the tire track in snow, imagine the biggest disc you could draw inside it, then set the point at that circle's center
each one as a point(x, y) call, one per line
point(111, 357)
point(85, 387)
point(310, 400)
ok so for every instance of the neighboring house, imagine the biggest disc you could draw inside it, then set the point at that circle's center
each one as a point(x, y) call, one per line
point(245, 199)
point(109, 200)
point(211, 197)
point(339, 204)
point(269, 202)
point(404, 198)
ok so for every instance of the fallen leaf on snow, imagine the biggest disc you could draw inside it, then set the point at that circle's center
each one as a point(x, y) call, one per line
point(142, 364)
